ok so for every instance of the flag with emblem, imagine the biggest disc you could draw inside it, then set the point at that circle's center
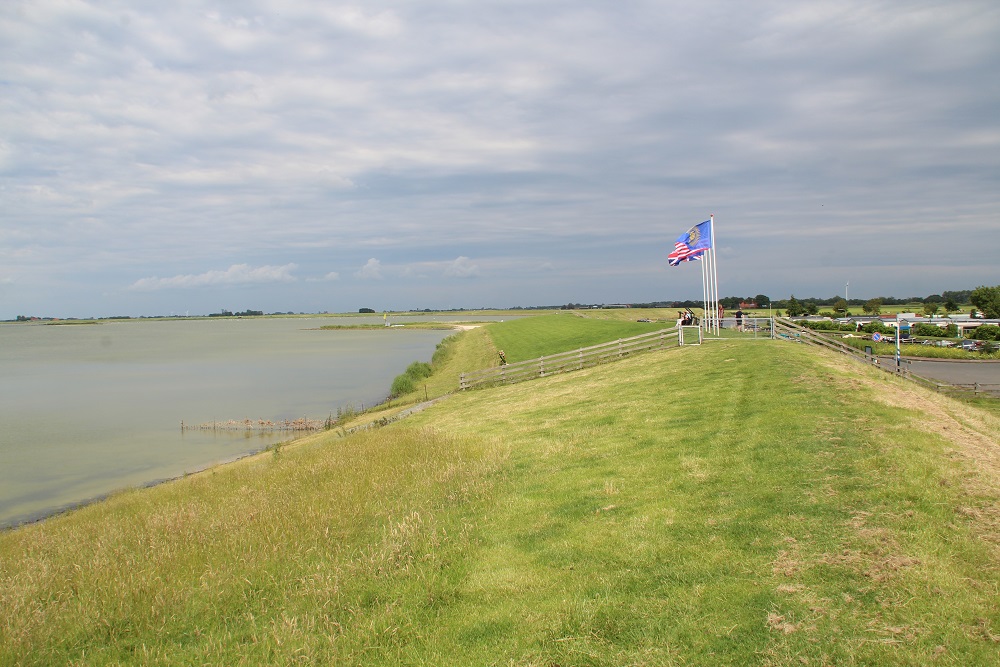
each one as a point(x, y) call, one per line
point(692, 244)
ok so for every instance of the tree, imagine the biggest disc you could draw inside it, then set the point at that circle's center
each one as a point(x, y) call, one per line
point(950, 306)
point(987, 300)
point(794, 307)
point(812, 308)
point(872, 306)
point(840, 306)
point(930, 308)
point(957, 296)
point(986, 332)
point(762, 300)
point(730, 302)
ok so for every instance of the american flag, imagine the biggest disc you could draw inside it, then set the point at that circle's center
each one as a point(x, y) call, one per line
point(692, 244)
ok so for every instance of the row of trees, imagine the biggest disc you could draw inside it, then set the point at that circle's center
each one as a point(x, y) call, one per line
point(984, 332)
point(986, 300)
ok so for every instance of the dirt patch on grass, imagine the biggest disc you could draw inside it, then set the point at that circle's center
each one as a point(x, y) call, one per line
point(778, 623)
point(973, 435)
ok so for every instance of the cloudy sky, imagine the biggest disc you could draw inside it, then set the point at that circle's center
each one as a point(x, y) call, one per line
point(170, 157)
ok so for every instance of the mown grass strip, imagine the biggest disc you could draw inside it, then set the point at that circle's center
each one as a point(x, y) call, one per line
point(737, 504)
point(533, 337)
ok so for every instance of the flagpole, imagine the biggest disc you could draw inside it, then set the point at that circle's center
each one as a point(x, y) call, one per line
point(714, 317)
point(715, 277)
point(706, 322)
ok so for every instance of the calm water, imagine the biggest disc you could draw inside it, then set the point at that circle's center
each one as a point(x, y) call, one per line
point(88, 409)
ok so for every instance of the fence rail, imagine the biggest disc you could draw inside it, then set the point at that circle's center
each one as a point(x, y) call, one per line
point(974, 388)
point(570, 361)
point(790, 331)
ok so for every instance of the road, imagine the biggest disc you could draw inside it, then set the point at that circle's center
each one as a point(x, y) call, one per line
point(955, 372)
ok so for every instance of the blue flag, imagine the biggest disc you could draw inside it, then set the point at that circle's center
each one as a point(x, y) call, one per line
point(691, 244)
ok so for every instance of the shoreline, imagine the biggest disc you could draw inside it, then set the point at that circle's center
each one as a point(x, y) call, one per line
point(297, 440)
point(26, 502)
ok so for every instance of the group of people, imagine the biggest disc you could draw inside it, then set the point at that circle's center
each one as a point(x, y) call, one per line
point(686, 317)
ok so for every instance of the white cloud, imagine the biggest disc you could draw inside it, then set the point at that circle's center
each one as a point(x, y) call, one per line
point(237, 274)
point(462, 267)
point(372, 270)
point(329, 277)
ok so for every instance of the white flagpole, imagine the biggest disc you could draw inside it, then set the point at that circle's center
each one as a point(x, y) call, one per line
point(706, 323)
point(715, 277)
point(714, 318)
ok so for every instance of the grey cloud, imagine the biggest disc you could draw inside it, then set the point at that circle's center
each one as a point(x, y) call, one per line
point(237, 274)
point(462, 267)
point(587, 133)
point(372, 270)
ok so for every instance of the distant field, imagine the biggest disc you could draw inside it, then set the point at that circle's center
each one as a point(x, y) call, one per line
point(734, 503)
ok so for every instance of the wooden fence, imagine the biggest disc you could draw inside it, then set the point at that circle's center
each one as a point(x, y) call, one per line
point(965, 389)
point(788, 330)
point(570, 361)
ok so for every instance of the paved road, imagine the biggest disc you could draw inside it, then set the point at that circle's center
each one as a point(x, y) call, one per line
point(955, 372)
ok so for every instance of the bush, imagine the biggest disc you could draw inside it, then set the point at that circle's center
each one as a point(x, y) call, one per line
point(824, 325)
point(877, 327)
point(986, 332)
point(444, 350)
point(925, 329)
point(836, 326)
point(403, 384)
point(419, 370)
point(408, 381)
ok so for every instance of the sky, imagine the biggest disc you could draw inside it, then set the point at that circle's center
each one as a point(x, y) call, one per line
point(190, 157)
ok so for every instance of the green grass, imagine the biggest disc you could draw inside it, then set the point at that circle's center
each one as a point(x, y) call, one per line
point(533, 337)
point(734, 503)
point(914, 349)
point(663, 513)
point(524, 338)
point(462, 351)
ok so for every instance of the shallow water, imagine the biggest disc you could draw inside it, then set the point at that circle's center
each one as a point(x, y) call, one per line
point(87, 409)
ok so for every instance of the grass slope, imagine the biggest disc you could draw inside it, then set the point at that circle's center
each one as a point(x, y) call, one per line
point(533, 337)
point(734, 504)
point(727, 504)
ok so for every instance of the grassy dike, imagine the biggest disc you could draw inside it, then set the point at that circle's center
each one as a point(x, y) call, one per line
point(757, 503)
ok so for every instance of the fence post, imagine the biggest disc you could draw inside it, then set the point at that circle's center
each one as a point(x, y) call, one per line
point(461, 382)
